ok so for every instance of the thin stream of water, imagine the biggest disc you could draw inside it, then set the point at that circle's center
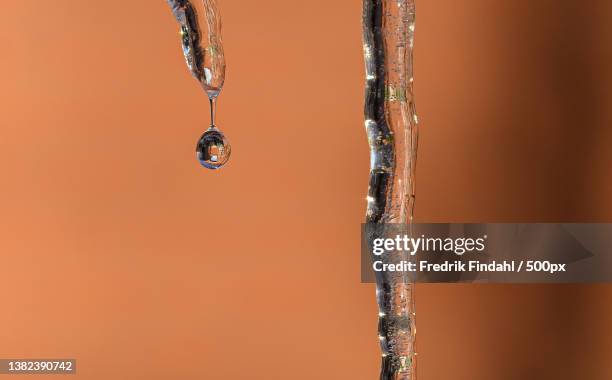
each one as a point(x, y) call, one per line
point(392, 128)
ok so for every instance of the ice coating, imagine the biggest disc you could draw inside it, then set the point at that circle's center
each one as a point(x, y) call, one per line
point(200, 24)
point(392, 128)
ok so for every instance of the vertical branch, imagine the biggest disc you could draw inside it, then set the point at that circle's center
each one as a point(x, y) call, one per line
point(391, 126)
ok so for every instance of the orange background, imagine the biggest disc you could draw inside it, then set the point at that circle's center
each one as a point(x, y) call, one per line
point(119, 250)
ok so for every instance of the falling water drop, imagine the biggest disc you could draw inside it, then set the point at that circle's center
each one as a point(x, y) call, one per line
point(213, 150)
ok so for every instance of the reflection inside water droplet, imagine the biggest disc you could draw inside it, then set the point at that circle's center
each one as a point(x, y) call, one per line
point(213, 150)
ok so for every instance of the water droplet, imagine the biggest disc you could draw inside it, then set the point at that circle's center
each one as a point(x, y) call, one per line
point(213, 150)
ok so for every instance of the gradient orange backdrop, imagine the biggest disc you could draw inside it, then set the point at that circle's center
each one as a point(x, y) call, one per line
point(119, 250)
